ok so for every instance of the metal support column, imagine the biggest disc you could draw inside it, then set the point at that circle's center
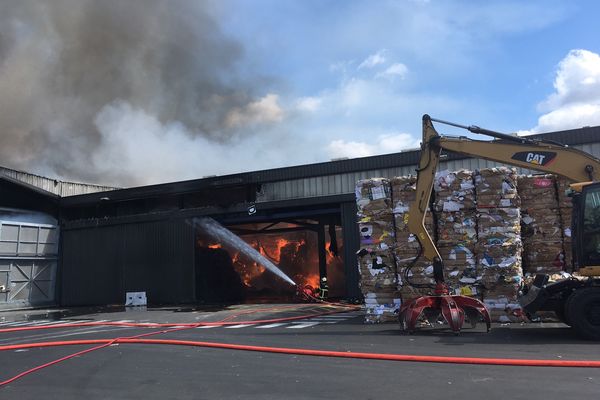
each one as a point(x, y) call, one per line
point(322, 250)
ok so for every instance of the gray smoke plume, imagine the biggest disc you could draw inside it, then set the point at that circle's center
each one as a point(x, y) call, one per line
point(77, 76)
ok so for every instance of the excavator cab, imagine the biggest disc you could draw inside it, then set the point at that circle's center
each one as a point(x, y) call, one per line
point(586, 228)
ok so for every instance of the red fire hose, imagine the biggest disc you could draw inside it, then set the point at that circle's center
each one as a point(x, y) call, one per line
point(174, 327)
point(101, 343)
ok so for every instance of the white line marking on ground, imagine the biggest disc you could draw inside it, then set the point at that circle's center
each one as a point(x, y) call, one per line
point(239, 326)
point(207, 326)
point(300, 325)
point(271, 325)
point(17, 323)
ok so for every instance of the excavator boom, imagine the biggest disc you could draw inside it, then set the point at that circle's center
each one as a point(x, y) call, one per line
point(543, 156)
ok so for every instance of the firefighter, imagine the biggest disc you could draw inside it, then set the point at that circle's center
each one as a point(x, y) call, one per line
point(323, 288)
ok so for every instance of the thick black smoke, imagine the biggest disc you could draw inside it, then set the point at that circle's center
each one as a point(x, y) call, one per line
point(65, 62)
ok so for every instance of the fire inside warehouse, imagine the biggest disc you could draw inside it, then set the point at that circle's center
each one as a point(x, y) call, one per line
point(226, 273)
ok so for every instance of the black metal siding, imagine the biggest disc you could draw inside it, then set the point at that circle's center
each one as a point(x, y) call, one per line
point(351, 246)
point(101, 263)
point(91, 273)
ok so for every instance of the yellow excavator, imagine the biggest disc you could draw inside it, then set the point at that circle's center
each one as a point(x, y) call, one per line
point(575, 300)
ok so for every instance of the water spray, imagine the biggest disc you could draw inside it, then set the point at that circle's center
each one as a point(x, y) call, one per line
point(227, 237)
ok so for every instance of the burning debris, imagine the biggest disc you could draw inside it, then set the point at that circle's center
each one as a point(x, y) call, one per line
point(292, 250)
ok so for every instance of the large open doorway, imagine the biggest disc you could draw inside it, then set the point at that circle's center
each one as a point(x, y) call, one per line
point(306, 250)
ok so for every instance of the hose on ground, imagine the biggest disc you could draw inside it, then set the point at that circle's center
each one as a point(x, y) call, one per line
point(173, 328)
point(322, 353)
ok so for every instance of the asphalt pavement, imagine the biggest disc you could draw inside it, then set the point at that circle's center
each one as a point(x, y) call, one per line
point(142, 371)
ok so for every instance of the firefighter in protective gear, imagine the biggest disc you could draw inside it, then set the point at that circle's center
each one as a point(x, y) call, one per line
point(323, 288)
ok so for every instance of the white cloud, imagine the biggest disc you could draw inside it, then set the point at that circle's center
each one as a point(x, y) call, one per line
point(576, 100)
point(397, 70)
point(261, 111)
point(373, 60)
point(309, 104)
point(383, 144)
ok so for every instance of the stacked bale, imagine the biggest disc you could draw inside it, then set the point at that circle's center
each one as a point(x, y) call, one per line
point(454, 208)
point(376, 261)
point(565, 208)
point(499, 249)
point(411, 270)
point(540, 225)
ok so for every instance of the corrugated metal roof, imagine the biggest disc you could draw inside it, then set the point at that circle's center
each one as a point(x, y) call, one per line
point(55, 186)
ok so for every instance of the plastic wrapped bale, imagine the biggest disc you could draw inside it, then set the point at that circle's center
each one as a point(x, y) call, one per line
point(540, 224)
point(454, 191)
point(382, 307)
point(496, 187)
point(373, 197)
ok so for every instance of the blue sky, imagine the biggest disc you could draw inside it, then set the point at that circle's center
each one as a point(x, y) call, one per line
point(299, 81)
point(494, 61)
point(359, 74)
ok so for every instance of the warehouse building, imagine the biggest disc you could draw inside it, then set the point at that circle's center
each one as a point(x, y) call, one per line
point(72, 244)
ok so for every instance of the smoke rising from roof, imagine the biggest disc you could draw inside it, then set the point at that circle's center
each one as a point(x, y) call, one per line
point(75, 73)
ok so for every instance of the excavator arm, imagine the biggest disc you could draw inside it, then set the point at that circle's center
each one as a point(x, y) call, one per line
point(522, 152)
point(577, 301)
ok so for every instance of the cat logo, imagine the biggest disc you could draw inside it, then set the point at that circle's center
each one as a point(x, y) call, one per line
point(534, 158)
point(541, 158)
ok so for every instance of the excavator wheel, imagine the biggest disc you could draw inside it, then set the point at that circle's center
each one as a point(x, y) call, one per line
point(583, 312)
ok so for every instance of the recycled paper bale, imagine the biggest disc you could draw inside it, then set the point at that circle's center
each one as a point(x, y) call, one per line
point(454, 191)
point(460, 269)
point(403, 194)
point(499, 248)
point(373, 197)
point(377, 232)
point(496, 187)
point(382, 307)
point(565, 205)
point(407, 246)
point(376, 260)
point(504, 309)
point(540, 224)
point(377, 270)
point(415, 278)
point(456, 227)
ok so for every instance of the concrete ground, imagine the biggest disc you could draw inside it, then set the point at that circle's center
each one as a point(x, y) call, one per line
point(139, 371)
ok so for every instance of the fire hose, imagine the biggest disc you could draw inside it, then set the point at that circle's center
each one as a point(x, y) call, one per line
point(174, 327)
point(138, 339)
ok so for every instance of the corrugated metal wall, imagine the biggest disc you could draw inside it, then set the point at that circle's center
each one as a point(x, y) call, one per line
point(60, 188)
point(101, 263)
point(345, 183)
